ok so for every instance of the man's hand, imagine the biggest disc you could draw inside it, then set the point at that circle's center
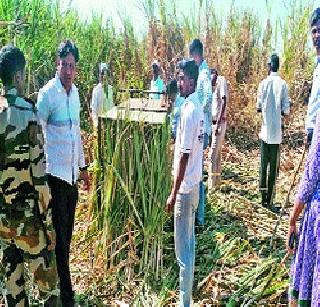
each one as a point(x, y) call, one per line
point(170, 203)
point(217, 130)
point(206, 108)
point(51, 237)
point(85, 177)
point(44, 198)
point(292, 229)
point(182, 165)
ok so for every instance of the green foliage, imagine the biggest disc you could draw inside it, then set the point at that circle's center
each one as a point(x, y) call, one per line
point(38, 26)
point(135, 181)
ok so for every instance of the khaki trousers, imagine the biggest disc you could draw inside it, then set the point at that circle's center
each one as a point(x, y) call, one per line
point(214, 172)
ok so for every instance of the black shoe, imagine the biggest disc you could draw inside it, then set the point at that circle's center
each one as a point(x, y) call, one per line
point(264, 200)
point(275, 209)
point(52, 301)
point(67, 300)
point(199, 229)
point(197, 223)
point(70, 303)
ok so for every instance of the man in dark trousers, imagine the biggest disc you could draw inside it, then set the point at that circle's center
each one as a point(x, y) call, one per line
point(272, 102)
point(59, 111)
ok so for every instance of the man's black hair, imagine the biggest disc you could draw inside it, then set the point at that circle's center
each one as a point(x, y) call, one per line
point(190, 68)
point(212, 70)
point(196, 47)
point(274, 62)
point(315, 17)
point(68, 47)
point(172, 87)
point(11, 61)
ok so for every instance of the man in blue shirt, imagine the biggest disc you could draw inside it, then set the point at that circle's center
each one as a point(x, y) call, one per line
point(204, 91)
point(157, 84)
point(314, 102)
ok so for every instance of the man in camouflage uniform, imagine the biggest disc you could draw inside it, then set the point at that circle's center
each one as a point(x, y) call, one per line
point(26, 231)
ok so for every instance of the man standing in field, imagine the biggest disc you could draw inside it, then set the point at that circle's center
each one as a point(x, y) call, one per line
point(314, 100)
point(157, 84)
point(59, 110)
point(272, 102)
point(219, 125)
point(187, 171)
point(26, 230)
point(204, 91)
point(102, 95)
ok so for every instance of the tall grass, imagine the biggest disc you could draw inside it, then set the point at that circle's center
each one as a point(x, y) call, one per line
point(238, 45)
point(135, 186)
point(45, 26)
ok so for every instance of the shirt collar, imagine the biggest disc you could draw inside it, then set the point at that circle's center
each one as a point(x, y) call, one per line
point(191, 96)
point(203, 64)
point(274, 73)
point(158, 79)
point(13, 91)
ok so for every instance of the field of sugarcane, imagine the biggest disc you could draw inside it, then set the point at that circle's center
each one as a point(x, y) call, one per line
point(123, 248)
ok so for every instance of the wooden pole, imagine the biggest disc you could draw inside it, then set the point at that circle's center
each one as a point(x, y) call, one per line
point(286, 202)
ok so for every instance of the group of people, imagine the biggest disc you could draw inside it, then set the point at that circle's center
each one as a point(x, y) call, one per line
point(42, 158)
point(196, 117)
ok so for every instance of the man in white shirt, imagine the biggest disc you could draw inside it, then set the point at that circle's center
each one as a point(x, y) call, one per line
point(219, 124)
point(204, 91)
point(102, 95)
point(59, 111)
point(187, 171)
point(157, 84)
point(272, 102)
point(314, 100)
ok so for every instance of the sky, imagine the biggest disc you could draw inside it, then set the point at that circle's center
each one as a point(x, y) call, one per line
point(132, 9)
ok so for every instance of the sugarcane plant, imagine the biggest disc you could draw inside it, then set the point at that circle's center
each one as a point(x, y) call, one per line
point(135, 181)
